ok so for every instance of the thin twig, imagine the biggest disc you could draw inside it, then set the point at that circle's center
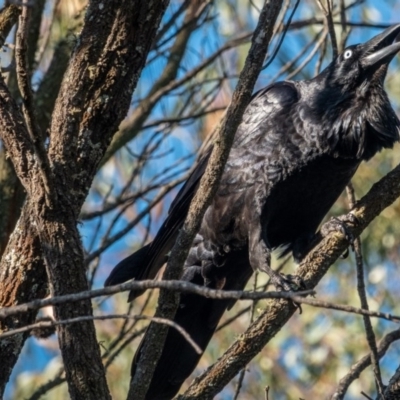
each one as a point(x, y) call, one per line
point(346, 308)
point(266, 392)
point(293, 60)
point(169, 23)
point(58, 379)
point(186, 287)
point(107, 243)
point(127, 340)
point(343, 22)
point(330, 24)
point(317, 46)
point(47, 33)
point(252, 311)
point(321, 58)
point(361, 365)
point(172, 285)
point(282, 37)
point(364, 302)
point(366, 396)
point(47, 324)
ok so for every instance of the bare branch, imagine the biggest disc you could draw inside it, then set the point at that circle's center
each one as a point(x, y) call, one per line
point(23, 77)
point(33, 32)
point(186, 287)
point(43, 389)
point(48, 324)
point(171, 285)
point(392, 391)
point(364, 302)
point(8, 18)
point(361, 365)
point(330, 25)
point(160, 196)
point(93, 99)
point(320, 42)
point(20, 145)
point(176, 53)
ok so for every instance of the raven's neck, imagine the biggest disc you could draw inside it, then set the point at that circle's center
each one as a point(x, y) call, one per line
point(355, 124)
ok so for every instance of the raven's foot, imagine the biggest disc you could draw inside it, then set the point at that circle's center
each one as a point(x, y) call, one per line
point(287, 283)
point(340, 225)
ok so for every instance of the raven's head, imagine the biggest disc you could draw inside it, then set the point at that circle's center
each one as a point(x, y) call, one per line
point(353, 100)
point(363, 65)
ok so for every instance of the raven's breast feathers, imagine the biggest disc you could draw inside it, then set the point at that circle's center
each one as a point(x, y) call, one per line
point(366, 127)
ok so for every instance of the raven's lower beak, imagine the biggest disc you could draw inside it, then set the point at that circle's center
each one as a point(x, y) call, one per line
point(382, 48)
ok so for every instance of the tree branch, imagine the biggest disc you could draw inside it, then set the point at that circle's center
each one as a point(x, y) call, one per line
point(392, 391)
point(370, 335)
point(183, 287)
point(360, 366)
point(23, 78)
point(8, 18)
point(51, 324)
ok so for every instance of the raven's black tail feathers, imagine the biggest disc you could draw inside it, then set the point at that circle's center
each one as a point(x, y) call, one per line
point(135, 267)
point(199, 316)
point(129, 268)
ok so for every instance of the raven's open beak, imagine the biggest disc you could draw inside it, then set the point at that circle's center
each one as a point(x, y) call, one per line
point(382, 48)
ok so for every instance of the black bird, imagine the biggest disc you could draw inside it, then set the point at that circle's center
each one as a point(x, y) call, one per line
point(298, 146)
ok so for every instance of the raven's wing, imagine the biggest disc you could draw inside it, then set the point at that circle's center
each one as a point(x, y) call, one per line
point(264, 142)
point(167, 234)
point(146, 262)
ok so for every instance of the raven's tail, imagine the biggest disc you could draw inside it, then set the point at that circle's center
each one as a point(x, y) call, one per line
point(129, 268)
point(139, 266)
point(199, 316)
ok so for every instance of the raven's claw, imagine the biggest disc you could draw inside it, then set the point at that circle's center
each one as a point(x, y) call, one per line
point(340, 225)
point(288, 283)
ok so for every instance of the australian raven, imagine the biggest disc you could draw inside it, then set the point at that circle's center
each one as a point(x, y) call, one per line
point(296, 149)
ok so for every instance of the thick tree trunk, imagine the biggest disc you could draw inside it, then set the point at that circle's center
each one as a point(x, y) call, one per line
point(93, 99)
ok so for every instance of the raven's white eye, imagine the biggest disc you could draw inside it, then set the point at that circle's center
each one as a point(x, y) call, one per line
point(347, 54)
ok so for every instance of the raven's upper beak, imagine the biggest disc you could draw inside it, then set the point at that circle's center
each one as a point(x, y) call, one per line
point(381, 48)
